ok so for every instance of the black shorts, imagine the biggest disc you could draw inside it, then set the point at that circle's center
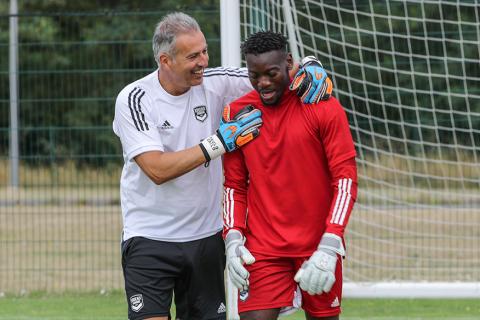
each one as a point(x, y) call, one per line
point(154, 270)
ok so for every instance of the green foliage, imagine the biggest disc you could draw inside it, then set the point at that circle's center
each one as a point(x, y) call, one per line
point(408, 84)
point(74, 58)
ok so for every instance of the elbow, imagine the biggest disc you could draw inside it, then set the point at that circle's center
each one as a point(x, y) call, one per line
point(154, 168)
point(158, 181)
point(158, 178)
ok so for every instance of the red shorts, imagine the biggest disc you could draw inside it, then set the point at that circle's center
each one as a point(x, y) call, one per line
point(272, 286)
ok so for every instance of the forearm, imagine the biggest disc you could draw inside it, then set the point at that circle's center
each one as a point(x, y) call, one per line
point(235, 192)
point(344, 186)
point(234, 209)
point(161, 167)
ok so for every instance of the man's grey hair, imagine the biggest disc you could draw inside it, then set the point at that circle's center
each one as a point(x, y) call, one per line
point(167, 31)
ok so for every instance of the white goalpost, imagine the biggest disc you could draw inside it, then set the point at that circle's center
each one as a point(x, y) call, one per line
point(408, 74)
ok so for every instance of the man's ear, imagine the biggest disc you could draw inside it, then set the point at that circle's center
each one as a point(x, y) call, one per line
point(165, 59)
point(292, 66)
point(290, 62)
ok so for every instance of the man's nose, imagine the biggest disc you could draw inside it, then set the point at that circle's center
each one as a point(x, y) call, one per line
point(264, 82)
point(203, 60)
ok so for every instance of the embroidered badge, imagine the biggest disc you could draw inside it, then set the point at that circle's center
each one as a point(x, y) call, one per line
point(136, 302)
point(200, 113)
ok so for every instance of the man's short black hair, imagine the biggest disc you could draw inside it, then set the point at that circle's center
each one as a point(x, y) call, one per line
point(264, 41)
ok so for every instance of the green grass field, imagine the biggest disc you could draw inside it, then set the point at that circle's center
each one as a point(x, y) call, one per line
point(111, 306)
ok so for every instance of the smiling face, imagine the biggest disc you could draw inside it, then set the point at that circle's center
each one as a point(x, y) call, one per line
point(184, 69)
point(268, 73)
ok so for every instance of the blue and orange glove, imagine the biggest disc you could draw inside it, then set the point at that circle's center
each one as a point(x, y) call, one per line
point(311, 81)
point(233, 133)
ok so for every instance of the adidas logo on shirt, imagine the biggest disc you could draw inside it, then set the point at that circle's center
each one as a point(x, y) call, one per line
point(222, 308)
point(166, 125)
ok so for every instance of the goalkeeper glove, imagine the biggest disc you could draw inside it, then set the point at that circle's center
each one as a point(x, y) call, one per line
point(317, 274)
point(234, 133)
point(237, 255)
point(311, 81)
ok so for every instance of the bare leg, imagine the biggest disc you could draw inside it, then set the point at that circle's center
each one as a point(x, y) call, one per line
point(309, 317)
point(268, 314)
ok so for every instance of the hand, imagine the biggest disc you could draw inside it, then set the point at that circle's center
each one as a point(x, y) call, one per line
point(242, 129)
point(237, 255)
point(317, 274)
point(234, 133)
point(311, 81)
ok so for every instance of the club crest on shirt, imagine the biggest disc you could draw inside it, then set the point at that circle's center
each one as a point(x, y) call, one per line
point(200, 113)
point(136, 302)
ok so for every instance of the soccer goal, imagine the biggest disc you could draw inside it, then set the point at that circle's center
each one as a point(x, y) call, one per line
point(408, 75)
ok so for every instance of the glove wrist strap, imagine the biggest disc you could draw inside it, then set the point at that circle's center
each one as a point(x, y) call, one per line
point(233, 236)
point(310, 60)
point(212, 147)
point(332, 242)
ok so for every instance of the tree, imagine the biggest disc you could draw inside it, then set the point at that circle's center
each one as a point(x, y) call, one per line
point(74, 58)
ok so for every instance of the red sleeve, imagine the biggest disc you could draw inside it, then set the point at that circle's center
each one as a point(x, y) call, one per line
point(235, 192)
point(340, 151)
point(344, 184)
point(335, 133)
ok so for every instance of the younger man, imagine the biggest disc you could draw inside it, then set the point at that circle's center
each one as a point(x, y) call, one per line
point(298, 183)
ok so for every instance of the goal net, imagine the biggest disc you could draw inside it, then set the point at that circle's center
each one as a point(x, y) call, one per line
point(408, 75)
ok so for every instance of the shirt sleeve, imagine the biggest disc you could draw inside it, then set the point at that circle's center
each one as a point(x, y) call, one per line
point(231, 83)
point(344, 184)
point(133, 123)
point(235, 192)
point(340, 151)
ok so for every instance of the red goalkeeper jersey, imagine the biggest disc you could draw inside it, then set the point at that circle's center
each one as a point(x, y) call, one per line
point(295, 181)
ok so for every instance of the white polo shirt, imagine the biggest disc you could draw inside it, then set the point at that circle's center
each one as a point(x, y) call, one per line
point(148, 118)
